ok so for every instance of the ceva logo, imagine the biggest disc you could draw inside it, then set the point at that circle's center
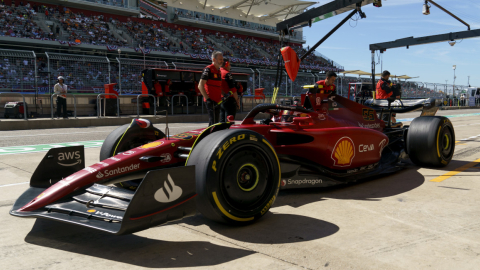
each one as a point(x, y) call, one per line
point(69, 156)
point(169, 193)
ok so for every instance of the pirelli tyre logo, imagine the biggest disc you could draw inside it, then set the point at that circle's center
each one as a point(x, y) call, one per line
point(269, 204)
point(225, 146)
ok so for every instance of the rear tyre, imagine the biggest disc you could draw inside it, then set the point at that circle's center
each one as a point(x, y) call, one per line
point(431, 141)
point(116, 143)
point(237, 176)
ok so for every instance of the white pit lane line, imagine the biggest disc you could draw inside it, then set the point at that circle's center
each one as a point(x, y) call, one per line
point(16, 184)
point(72, 133)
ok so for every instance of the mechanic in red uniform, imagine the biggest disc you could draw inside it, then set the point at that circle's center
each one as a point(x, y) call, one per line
point(239, 89)
point(165, 91)
point(210, 86)
point(329, 83)
point(158, 91)
point(385, 88)
point(229, 93)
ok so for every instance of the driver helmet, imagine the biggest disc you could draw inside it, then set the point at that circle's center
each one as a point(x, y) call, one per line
point(287, 116)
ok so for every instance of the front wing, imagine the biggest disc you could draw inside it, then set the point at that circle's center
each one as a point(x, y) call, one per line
point(164, 195)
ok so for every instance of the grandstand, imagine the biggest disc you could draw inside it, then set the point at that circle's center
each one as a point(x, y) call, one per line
point(81, 43)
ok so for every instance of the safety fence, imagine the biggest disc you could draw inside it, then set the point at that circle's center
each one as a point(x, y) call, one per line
point(18, 71)
point(24, 71)
point(82, 73)
point(128, 76)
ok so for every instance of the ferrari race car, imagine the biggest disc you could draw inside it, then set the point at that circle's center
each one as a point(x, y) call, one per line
point(231, 172)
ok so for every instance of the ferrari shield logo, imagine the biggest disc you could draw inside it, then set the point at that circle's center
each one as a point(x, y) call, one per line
point(343, 152)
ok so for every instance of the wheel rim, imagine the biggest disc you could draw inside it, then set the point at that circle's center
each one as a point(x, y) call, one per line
point(446, 143)
point(247, 177)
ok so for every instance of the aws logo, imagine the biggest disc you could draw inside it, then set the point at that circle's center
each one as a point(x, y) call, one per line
point(169, 193)
point(68, 159)
point(343, 152)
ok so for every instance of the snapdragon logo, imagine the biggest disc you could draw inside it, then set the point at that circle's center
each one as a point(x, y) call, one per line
point(169, 193)
point(304, 182)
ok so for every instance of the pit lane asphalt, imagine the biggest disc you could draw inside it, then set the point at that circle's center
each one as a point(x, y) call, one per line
point(401, 221)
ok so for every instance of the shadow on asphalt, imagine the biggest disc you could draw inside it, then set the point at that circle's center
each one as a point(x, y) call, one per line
point(273, 228)
point(130, 249)
point(372, 189)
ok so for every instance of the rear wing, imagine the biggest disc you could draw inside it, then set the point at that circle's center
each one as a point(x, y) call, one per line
point(428, 106)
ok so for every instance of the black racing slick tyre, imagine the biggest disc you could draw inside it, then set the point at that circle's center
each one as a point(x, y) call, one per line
point(431, 141)
point(120, 140)
point(237, 176)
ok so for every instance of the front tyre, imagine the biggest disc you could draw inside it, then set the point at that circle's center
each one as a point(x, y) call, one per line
point(127, 137)
point(431, 141)
point(237, 176)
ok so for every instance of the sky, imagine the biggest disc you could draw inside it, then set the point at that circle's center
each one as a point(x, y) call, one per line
point(397, 19)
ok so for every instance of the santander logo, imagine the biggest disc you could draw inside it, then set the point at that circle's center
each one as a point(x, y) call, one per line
point(169, 193)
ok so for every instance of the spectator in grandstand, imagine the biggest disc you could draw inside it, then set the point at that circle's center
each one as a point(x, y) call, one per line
point(210, 86)
point(61, 90)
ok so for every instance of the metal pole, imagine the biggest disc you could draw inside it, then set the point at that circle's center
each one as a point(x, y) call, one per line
point(329, 34)
point(373, 71)
point(449, 13)
point(119, 75)
point(36, 83)
point(454, 77)
point(48, 66)
point(109, 69)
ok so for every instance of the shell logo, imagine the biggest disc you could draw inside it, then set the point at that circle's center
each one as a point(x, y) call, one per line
point(91, 211)
point(343, 152)
point(151, 145)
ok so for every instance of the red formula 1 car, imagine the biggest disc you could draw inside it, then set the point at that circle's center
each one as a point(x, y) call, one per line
point(231, 172)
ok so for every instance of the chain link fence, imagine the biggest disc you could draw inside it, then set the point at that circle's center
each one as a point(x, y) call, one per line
point(296, 87)
point(127, 73)
point(82, 73)
point(24, 71)
point(266, 80)
point(18, 71)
